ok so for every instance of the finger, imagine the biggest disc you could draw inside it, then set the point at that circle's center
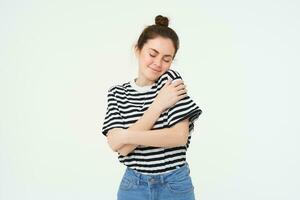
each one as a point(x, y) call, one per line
point(180, 87)
point(181, 96)
point(177, 82)
point(181, 92)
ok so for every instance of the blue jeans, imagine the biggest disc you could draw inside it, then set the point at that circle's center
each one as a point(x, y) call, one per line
point(175, 185)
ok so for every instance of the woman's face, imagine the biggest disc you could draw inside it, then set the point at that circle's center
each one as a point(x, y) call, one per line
point(154, 59)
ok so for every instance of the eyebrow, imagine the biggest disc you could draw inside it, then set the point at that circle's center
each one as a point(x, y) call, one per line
point(158, 52)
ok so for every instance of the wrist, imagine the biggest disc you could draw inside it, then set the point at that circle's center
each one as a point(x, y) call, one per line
point(154, 107)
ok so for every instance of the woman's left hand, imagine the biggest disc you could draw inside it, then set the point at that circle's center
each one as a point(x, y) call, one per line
point(115, 138)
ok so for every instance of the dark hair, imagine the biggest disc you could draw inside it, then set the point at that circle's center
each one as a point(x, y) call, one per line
point(160, 28)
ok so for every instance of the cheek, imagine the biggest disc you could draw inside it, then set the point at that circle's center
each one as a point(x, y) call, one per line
point(147, 60)
point(166, 66)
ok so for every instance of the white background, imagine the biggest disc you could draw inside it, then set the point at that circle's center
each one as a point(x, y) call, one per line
point(239, 59)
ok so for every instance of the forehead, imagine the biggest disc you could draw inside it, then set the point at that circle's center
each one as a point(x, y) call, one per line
point(162, 45)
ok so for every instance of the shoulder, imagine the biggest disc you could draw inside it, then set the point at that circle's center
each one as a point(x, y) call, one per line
point(119, 88)
point(116, 92)
point(173, 74)
point(170, 74)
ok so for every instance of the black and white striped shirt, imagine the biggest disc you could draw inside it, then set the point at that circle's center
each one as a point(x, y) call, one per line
point(128, 102)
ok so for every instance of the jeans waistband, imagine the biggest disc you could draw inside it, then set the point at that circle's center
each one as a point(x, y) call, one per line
point(160, 178)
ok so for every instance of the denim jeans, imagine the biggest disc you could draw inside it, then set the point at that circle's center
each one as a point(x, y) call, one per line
point(174, 185)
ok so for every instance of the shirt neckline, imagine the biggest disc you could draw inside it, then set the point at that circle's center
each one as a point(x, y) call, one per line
point(140, 88)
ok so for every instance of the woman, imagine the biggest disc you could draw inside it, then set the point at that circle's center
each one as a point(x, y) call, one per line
point(149, 121)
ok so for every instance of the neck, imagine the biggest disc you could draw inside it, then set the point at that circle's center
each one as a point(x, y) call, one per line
point(142, 80)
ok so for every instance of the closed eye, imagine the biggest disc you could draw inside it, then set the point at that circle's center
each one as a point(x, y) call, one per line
point(164, 60)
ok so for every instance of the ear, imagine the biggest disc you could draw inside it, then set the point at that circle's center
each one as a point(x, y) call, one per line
point(136, 51)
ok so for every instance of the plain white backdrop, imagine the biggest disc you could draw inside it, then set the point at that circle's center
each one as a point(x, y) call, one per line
point(239, 59)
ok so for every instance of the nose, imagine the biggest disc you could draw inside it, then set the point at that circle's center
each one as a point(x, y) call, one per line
point(157, 62)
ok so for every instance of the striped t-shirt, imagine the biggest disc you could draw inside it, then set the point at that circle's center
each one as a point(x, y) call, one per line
point(127, 103)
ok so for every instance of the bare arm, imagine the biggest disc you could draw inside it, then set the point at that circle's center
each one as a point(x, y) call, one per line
point(176, 135)
point(146, 122)
point(167, 96)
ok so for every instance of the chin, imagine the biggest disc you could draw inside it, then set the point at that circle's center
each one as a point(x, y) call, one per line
point(153, 76)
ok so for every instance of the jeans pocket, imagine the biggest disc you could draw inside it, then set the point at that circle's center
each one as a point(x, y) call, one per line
point(181, 186)
point(126, 184)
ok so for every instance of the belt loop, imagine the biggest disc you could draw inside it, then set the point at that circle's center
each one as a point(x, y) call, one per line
point(139, 178)
point(162, 179)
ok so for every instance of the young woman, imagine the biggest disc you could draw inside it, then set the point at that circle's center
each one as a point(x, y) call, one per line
point(149, 121)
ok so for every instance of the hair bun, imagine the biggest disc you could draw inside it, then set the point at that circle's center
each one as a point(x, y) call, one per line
point(161, 20)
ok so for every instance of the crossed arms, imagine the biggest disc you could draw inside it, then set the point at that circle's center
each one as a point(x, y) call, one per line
point(125, 141)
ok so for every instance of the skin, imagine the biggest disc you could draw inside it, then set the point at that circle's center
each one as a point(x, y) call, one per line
point(154, 59)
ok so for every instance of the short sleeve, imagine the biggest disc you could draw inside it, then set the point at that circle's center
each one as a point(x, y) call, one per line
point(186, 108)
point(113, 118)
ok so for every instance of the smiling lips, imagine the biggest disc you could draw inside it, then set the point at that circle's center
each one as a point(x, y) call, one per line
point(155, 70)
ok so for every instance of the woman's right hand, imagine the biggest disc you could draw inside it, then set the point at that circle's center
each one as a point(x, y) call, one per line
point(170, 94)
